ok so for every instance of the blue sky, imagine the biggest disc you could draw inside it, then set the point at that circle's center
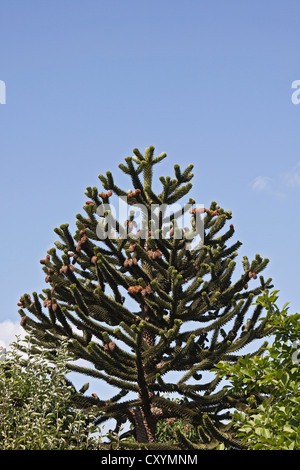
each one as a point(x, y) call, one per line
point(207, 82)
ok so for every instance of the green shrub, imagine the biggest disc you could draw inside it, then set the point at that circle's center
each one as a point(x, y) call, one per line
point(36, 411)
point(165, 431)
point(270, 384)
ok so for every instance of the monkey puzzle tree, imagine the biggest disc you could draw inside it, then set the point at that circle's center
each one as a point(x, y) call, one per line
point(141, 298)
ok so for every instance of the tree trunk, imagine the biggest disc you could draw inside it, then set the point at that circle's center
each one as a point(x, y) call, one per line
point(145, 425)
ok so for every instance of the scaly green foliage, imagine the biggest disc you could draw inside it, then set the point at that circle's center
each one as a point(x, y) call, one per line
point(148, 300)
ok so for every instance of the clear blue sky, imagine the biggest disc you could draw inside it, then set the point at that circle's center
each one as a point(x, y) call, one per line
point(207, 82)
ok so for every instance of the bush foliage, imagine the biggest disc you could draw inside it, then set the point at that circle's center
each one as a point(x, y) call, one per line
point(36, 411)
point(271, 383)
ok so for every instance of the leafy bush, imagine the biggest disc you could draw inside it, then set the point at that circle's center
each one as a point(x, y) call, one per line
point(36, 410)
point(165, 429)
point(270, 383)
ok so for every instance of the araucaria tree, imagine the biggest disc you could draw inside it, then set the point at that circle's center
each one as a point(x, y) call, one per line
point(143, 297)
